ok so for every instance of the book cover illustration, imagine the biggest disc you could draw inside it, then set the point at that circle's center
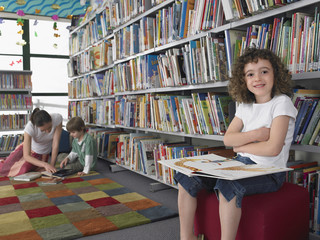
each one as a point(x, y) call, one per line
point(215, 166)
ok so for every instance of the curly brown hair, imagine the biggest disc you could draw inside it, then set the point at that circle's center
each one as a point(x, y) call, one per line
point(237, 85)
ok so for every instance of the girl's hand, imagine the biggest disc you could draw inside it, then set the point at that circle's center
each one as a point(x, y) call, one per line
point(263, 134)
point(49, 168)
point(81, 174)
point(64, 163)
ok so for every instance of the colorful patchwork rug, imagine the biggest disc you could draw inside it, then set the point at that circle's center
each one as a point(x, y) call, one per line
point(76, 207)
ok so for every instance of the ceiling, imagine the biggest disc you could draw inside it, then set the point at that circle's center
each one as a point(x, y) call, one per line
point(62, 8)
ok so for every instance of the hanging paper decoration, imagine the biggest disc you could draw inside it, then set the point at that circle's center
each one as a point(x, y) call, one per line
point(55, 45)
point(35, 24)
point(19, 61)
point(20, 22)
point(69, 17)
point(11, 64)
point(20, 32)
point(55, 6)
point(2, 8)
point(1, 21)
point(56, 35)
point(55, 17)
point(21, 43)
point(21, 2)
point(37, 11)
point(55, 26)
point(20, 13)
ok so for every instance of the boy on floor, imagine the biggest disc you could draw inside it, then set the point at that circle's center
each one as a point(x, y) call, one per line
point(83, 156)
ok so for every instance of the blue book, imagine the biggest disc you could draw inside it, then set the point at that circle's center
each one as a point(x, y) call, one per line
point(308, 117)
point(153, 80)
point(100, 83)
point(174, 110)
point(193, 47)
point(183, 17)
point(299, 118)
point(176, 19)
point(135, 39)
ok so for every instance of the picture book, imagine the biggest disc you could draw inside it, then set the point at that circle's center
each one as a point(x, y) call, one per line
point(215, 166)
point(51, 181)
point(29, 176)
point(147, 147)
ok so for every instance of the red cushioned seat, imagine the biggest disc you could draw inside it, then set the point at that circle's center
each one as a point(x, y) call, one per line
point(281, 215)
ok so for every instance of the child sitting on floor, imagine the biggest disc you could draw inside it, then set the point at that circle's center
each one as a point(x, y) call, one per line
point(83, 156)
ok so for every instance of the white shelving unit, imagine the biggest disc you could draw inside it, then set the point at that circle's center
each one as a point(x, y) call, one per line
point(13, 84)
point(307, 78)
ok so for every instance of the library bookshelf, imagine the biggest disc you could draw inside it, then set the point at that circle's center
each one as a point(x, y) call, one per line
point(16, 105)
point(123, 92)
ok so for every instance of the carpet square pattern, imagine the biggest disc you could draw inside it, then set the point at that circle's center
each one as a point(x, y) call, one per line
point(76, 207)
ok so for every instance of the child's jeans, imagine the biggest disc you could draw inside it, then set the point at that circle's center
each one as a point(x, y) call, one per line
point(232, 188)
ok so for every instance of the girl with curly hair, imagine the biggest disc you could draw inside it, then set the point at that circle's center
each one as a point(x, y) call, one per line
point(260, 133)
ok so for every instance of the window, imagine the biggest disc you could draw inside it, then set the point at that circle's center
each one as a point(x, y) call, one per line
point(10, 51)
point(45, 54)
point(44, 41)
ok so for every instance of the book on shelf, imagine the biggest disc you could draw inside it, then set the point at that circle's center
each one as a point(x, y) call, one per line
point(306, 121)
point(27, 177)
point(215, 166)
point(147, 158)
point(233, 41)
point(228, 9)
point(315, 138)
point(296, 175)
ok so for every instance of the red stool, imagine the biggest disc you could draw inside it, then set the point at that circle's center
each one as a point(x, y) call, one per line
point(281, 215)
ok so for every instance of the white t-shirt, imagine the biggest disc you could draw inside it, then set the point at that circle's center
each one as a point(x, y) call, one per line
point(255, 116)
point(41, 141)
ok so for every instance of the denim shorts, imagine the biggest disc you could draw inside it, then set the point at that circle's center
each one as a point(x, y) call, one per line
point(232, 188)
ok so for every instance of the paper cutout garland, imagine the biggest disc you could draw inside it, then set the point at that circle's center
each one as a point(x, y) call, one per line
point(21, 2)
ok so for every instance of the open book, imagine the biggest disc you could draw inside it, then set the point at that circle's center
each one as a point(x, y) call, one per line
point(215, 166)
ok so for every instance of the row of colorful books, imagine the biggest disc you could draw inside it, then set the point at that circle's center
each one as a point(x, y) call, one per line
point(106, 141)
point(200, 61)
point(182, 19)
point(138, 73)
point(98, 84)
point(141, 152)
point(240, 9)
point(94, 58)
point(15, 101)
point(201, 113)
point(86, 36)
point(307, 125)
point(15, 80)
point(307, 176)
point(13, 121)
point(294, 39)
point(123, 11)
point(99, 111)
point(135, 38)
point(91, 33)
point(10, 142)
